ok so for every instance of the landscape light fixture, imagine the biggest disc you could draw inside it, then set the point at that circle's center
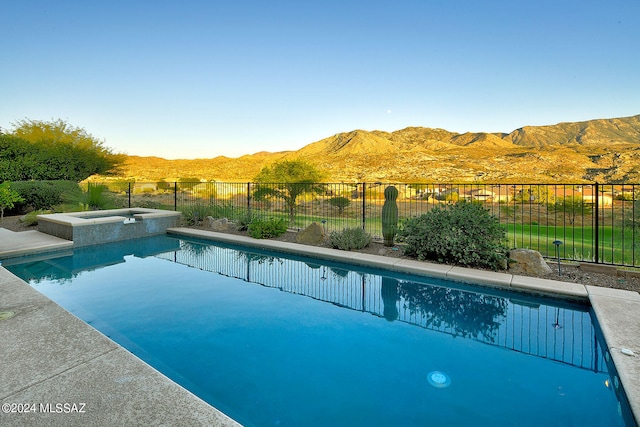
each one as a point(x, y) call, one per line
point(557, 243)
point(557, 324)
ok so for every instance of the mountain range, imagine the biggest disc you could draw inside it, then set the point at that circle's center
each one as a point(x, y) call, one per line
point(603, 150)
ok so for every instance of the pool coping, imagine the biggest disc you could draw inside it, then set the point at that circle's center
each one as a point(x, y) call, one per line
point(85, 218)
point(617, 310)
point(70, 375)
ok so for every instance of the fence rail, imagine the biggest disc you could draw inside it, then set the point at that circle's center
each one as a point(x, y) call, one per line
point(597, 223)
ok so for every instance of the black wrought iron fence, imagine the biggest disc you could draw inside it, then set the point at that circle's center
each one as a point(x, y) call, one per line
point(594, 222)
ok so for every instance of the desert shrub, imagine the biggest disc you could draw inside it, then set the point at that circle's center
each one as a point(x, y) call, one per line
point(148, 204)
point(350, 239)
point(41, 194)
point(244, 220)
point(464, 233)
point(267, 228)
point(223, 210)
point(32, 217)
point(194, 214)
point(625, 197)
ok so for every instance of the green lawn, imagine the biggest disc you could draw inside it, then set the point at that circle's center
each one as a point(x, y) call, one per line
point(616, 244)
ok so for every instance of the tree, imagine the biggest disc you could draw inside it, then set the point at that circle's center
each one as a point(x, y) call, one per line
point(572, 206)
point(339, 202)
point(59, 132)
point(38, 150)
point(8, 198)
point(287, 180)
point(534, 194)
point(460, 313)
point(164, 185)
point(188, 183)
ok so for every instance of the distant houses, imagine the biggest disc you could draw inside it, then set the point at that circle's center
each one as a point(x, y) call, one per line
point(587, 193)
point(488, 194)
point(507, 193)
point(434, 193)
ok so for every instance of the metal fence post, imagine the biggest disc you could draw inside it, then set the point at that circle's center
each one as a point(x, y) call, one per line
point(129, 194)
point(248, 199)
point(175, 195)
point(596, 234)
point(364, 206)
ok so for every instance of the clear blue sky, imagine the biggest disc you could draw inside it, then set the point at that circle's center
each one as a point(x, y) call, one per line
point(197, 79)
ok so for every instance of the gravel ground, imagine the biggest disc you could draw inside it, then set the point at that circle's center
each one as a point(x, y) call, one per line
point(570, 272)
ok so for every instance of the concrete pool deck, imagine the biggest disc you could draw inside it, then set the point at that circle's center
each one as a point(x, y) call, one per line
point(29, 242)
point(50, 357)
point(70, 374)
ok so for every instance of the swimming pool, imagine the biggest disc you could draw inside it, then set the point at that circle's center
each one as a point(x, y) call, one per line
point(275, 340)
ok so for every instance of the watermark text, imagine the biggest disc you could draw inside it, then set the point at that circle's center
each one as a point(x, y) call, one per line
point(46, 408)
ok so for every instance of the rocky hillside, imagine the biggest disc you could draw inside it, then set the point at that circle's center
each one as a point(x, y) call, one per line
point(606, 150)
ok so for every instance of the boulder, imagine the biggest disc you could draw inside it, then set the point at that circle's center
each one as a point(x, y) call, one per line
point(312, 235)
point(222, 225)
point(528, 261)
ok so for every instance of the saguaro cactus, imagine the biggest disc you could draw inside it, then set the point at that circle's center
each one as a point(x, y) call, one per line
point(389, 215)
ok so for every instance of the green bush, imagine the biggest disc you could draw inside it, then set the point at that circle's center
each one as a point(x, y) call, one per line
point(42, 194)
point(464, 233)
point(349, 239)
point(8, 197)
point(267, 228)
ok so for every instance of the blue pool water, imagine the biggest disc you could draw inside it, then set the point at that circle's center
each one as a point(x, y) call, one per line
point(278, 341)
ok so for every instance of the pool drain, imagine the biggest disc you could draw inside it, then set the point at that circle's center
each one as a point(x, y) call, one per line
point(439, 379)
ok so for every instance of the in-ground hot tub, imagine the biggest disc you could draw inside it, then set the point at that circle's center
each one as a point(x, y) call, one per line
point(96, 227)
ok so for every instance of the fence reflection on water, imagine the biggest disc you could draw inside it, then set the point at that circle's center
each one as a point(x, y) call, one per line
point(558, 333)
